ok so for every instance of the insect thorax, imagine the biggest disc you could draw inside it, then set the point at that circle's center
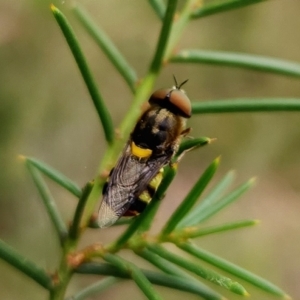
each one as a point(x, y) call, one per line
point(158, 129)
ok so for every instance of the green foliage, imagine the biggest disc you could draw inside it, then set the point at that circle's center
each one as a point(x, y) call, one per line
point(185, 223)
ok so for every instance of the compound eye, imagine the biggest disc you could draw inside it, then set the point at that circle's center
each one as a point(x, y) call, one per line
point(173, 99)
point(181, 101)
point(159, 95)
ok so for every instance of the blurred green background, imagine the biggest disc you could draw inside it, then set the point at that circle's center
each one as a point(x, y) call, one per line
point(47, 113)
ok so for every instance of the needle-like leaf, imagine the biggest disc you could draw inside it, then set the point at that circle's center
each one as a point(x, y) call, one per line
point(209, 211)
point(197, 269)
point(239, 60)
point(107, 46)
point(75, 226)
point(86, 73)
point(246, 105)
point(191, 198)
point(159, 7)
point(49, 203)
point(197, 231)
point(214, 195)
point(191, 144)
point(169, 268)
point(233, 269)
point(23, 264)
point(95, 288)
point(55, 175)
point(218, 6)
point(135, 273)
point(158, 278)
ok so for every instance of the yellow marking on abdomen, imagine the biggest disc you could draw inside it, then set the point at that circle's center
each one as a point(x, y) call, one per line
point(140, 152)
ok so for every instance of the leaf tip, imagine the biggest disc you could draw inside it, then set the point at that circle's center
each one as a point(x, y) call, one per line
point(217, 160)
point(54, 8)
point(232, 173)
point(256, 222)
point(252, 181)
point(237, 288)
point(22, 158)
point(211, 140)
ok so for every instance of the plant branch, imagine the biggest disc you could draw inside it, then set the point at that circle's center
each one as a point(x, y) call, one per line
point(75, 226)
point(163, 37)
point(180, 23)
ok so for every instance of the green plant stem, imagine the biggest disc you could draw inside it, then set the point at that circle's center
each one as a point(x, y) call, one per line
point(246, 105)
point(93, 198)
point(142, 94)
point(239, 60)
point(105, 43)
point(65, 270)
point(73, 43)
point(75, 228)
point(144, 89)
point(179, 25)
point(232, 269)
point(23, 264)
point(164, 37)
point(59, 292)
point(222, 5)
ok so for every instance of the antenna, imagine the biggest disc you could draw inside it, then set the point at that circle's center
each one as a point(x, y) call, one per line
point(181, 84)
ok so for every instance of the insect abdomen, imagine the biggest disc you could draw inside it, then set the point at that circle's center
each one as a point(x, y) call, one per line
point(141, 202)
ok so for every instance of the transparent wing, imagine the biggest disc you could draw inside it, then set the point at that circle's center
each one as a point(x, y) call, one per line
point(128, 180)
